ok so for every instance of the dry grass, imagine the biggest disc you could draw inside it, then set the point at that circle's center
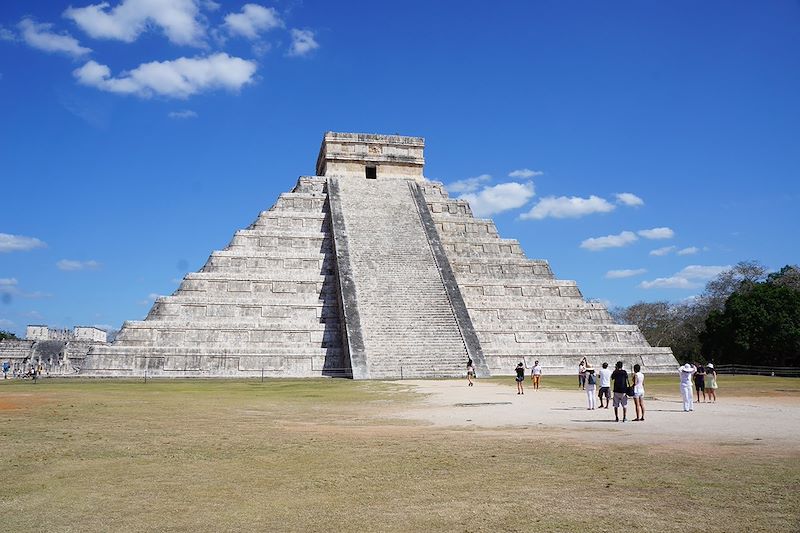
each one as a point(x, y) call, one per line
point(317, 455)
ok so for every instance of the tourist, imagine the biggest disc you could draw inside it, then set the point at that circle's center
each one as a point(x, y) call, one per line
point(638, 393)
point(700, 383)
point(591, 381)
point(620, 379)
point(520, 378)
point(6, 368)
point(582, 373)
point(470, 371)
point(536, 375)
point(711, 382)
point(605, 384)
point(686, 372)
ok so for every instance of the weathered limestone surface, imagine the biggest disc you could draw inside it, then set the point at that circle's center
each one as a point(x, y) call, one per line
point(370, 271)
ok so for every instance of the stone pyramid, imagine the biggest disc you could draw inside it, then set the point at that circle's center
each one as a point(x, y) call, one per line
point(369, 270)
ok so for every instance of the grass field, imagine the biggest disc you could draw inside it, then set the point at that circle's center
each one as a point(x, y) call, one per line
point(291, 455)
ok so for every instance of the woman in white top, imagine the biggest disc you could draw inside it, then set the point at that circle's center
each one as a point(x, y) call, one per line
point(638, 393)
point(536, 375)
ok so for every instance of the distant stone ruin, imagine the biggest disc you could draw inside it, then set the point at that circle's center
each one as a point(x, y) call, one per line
point(369, 270)
point(59, 351)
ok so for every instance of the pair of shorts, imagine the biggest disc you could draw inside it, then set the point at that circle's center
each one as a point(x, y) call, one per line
point(638, 395)
point(519, 379)
point(699, 386)
point(620, 399)
point(605, 392)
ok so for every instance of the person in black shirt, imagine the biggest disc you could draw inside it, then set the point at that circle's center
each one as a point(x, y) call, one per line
point(520, 378)
point(619, 382)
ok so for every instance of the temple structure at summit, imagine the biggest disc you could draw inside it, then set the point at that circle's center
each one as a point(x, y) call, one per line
point(371, 271)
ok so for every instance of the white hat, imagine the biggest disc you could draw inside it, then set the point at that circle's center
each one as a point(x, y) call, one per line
point(687, 368)
point(710, 365)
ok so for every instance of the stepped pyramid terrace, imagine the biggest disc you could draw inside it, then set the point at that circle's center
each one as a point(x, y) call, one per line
point(369, 270)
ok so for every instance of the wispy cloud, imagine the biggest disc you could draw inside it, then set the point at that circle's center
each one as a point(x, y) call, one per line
point(691, 250)
point(71, 265)
point(524, 173)
point(179, 78)
point(609, 241)
point(629, 199)
point(567, 207)
point(41, 36)
point(180, 20)
point(19, 243)
point(691, 277)
point(499, 198)
point(624, 273)
point(183, 114)
point(468, 184)
point(9, 287)
point(664, 250)
point(7, 35)
point(657, 233)
point(303, 43)
point(150, 298)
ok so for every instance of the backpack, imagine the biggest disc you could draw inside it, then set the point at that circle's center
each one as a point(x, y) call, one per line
point(591, 380)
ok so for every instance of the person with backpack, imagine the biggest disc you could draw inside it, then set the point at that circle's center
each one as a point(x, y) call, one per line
point(591, 382)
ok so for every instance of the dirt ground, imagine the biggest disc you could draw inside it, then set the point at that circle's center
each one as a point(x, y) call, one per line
point(772, 425)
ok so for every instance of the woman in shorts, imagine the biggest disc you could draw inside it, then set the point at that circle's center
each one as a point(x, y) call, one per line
point(711, 382)
point(638, 393)
point(700, 382)
point(520, 370)
point(470, 372)
point(536, 375)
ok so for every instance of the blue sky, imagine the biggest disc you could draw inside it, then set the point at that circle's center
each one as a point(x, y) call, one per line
point(639, 146)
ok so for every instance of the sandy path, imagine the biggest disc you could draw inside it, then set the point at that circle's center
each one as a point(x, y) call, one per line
point(768, 423)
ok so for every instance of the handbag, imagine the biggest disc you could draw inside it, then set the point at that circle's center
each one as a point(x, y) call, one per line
point(629, 390)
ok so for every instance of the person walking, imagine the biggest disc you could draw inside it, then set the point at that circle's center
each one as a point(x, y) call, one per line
point(686, 372)
point(520, 370)
point(638, 393)
point(604, 375)
point(700, 383)
point(582, 373)
point(591, 381)
point(711, 382)
point(620, 379)
point(470, 372)
point(536, 375)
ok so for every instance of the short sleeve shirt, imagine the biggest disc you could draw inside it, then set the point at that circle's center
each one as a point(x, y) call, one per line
point(620, 379)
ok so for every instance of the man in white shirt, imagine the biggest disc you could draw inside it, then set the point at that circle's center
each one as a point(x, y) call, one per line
point(604, 376)
point(686, 372)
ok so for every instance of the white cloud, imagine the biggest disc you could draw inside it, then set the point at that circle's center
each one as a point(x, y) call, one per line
point(657, 233)
point(688, 251)
point(253, 20)
point(629, 199)
point(469, 184)
point(6, 323)
point(499, 198)
point(41, 37)
point(609, 241)
point(7, 35)
point(524, 173)
point(302, 42)
point(184, 113)
point(73, 265)
point(567, 207)
point(179, 78)
point(664, 250)
point(16, 243)
point(150, 299)
point(8, 282)
point(9, 287)
point(180, 20)
point(625, 273)
point(691, 277)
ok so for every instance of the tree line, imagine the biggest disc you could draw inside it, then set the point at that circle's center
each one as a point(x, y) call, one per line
point(746, 315)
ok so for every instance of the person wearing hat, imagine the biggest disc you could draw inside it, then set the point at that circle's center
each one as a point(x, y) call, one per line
point(591, 381)
point(686, 372)
point(711, 382)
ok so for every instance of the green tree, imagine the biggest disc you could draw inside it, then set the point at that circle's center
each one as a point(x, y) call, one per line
point(6, 335)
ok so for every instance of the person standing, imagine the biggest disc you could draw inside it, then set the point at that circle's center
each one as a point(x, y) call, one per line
point(686, 372)
point(591, 381)
point(582, 373)
point(638, 393)
point(470, 371)
point(520, 370)
point(700, 383)
point(6, 368)
point(605, 384)
point(711, 382)
point(620, 379)
point(536, 375)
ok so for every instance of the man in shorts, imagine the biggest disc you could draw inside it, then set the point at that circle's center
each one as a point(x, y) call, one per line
point(604, 377)
point(620, 379)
